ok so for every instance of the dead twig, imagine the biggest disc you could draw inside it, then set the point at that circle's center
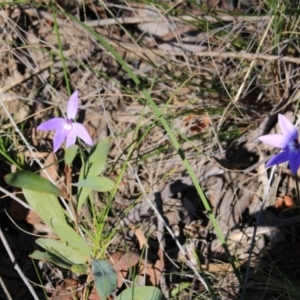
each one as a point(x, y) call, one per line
point(237, 96)
point(139, 20)
point(16, 266)
point(211, 54)
point(5, 290)
point(162, 245)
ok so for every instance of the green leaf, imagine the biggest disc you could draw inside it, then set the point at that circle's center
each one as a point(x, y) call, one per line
point(45, 205)
point(67, 234)
point(97, 159)
point(179, 288)
point(60, 256)
point(62, 250)
point(31, 181)
point(83, 194)
point(51, 257)
point(141, 293)
point(105, 278)
point(70, 154)
point(81, 269)
point(93, 167)
point(100, 184)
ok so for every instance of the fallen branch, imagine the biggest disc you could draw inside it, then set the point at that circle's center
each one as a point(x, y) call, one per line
point(208, 54)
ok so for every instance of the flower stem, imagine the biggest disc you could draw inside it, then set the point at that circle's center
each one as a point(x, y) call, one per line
point(297, 191)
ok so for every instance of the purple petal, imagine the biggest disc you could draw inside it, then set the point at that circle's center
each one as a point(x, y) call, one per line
point(278, 158)
point(59, 138)
point(72, 106)
point(52, 124)
point(294, 161)
point(71, 137)
point(275, 140)
point(287, 128)
point(82, 133)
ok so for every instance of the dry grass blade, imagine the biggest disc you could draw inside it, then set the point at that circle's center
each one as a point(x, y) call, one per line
point(5, 289)
point(207, 54)
point(16, 266)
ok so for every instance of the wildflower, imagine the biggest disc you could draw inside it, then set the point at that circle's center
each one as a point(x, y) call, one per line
point(67, 128)
point(287, 141)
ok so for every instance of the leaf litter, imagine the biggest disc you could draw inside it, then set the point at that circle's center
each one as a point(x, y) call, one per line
point(194, 93)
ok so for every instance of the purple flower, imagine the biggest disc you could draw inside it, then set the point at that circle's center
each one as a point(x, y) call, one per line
point(287, 141)
point(67, 128)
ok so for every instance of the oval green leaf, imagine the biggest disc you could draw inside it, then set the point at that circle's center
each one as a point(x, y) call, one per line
point(99, 184)
point(105, 276)
point(70, 154)
point(45, 205)
point(93, 167)
point(62, 250)
point(31, 181)
point(96, 161)
point(51, 257)
point(81, 269)
point(67, 234)
point(141, 293)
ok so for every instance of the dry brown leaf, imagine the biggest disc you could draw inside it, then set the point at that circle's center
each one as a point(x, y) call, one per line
point(51, 167)
point(141, 237)
point(114, 259)
point(66, 290)
point(159, 265)
point(153, 274)
point(121, 264)
point(196, 123)
point(126, 261)
point(71, 289)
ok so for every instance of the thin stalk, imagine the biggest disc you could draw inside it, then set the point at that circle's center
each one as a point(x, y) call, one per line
point(16, 266)
point(60, 48)
point(297, 192)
